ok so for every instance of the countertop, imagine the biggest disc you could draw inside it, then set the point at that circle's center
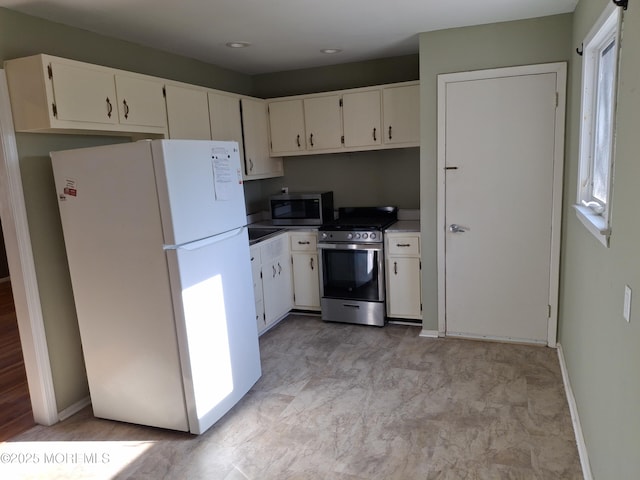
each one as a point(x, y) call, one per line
point(269, 224)
point(412, 226)
point(270, 230)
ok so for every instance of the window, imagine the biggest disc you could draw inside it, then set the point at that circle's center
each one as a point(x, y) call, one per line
point(597, 129)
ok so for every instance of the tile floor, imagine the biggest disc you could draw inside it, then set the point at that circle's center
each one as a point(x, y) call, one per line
point(346, 402)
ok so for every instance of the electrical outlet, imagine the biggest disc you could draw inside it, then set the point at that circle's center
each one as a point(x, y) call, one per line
point(627, 303)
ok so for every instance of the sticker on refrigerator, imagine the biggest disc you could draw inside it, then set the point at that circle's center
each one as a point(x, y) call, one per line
point(70, 187)
point(223, 173)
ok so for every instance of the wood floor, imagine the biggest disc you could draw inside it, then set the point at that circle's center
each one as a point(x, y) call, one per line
point(15, 404)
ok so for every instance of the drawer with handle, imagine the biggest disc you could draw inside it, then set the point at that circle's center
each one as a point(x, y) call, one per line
point(403, 245)
point(303, 241)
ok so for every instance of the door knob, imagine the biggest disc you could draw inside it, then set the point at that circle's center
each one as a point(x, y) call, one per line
point(455, 228)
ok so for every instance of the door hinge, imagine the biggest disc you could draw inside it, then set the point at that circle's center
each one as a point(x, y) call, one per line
point(55, 110)
point(549, 311)
point(342, 139)
point(50, 71)
point(419, 264)
point(557, 99)
point(164, 92)
point(420, 306)
point(340, 102)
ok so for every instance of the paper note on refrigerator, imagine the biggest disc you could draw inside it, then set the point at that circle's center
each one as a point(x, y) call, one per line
point(222, 176)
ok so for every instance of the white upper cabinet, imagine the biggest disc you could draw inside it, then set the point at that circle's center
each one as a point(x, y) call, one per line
point(286, 125)
point(257, 162)
point(225, 120)
point(323, 122)
point(368, 118)
point(401, 107)
point(362, 117)
point(51, 94)
point(83, 94)
point(188, 113)
point(140, 101)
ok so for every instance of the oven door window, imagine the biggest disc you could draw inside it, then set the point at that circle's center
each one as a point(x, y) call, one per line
point(351, 274)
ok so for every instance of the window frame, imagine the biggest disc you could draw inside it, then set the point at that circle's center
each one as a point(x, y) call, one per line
point(594, 214)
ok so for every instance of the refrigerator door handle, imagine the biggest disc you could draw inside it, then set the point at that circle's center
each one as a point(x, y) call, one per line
point(207, 241)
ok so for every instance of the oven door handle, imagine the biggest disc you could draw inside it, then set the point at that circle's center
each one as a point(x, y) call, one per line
point(350, 246)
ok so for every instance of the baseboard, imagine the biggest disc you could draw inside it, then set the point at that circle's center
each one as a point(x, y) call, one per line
point(429, 333)
point(73, 409)
point(573, 408)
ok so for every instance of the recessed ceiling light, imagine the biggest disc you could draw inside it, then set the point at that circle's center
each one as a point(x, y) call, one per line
point(237, 44)
point(330, 51)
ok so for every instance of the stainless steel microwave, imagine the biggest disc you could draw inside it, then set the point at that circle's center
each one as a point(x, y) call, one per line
point(311, 208)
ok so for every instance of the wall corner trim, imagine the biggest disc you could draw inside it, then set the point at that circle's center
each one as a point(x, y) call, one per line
point(22, 268)
point(75, 408)
point(575, 419)
point(429, 333)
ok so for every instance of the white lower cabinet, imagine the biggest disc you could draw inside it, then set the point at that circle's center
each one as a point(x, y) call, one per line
point(273, 289)
point(304, 260)
point(256, 273)
point(403, 275)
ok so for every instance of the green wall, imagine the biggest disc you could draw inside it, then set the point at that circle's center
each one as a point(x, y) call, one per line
point(600, 348)
point(337, 77)
point(539, 40)
point(382, 177)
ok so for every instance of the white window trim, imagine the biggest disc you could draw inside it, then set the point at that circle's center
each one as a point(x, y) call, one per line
point(594, 218)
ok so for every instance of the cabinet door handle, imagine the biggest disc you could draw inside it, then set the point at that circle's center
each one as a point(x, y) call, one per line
point(126, 109)
point(311, 139)
point(374, 135)
point(274, 271)
point(279, 268)
point(311, 263)
point(303, 243)
point(395, 268)
point(403, 244)
point(298, 140)
point(390, 136)
point(109, 108)
point(250, 165)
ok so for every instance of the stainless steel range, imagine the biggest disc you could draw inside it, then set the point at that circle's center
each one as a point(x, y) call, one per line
point(351, 256)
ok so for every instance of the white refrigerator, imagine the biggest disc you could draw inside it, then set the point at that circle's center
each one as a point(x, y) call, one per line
point(158, 251)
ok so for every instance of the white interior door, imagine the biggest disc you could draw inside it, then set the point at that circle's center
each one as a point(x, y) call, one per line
point(500, 138)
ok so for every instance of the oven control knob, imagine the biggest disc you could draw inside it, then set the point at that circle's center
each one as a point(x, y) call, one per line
point(357, 236)
point(365, 235)
point(349, 236)
point(324, 235)
point(373, 236)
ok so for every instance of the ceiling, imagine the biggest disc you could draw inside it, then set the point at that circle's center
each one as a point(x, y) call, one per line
point(284, 34)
